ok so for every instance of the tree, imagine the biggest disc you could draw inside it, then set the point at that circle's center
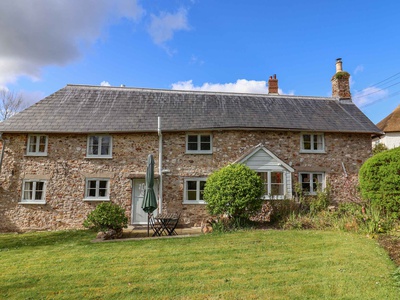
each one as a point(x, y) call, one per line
point(379, 180)
point(10, 104)
point(235, 191)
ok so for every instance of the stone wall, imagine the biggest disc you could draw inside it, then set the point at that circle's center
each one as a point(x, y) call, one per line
point(66, 168)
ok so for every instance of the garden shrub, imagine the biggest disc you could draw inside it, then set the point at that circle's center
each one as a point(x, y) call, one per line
point(106, 216)
point(380, 181)
point(378, 148)
point(234, 191)
point(283, 209)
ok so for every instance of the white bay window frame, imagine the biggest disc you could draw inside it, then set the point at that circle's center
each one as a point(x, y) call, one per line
point(268, 184)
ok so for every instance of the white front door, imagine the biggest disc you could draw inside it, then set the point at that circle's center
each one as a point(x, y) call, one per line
point(138, 215)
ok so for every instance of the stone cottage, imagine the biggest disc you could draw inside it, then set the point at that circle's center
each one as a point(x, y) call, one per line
point(86, 144)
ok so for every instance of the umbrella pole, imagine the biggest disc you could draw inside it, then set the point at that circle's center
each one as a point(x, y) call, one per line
point(148, 224)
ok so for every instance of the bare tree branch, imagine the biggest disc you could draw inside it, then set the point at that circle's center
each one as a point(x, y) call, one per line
point(10, 104)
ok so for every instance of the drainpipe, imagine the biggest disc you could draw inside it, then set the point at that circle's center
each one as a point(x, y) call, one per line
point(3, 146)
point(160, 188)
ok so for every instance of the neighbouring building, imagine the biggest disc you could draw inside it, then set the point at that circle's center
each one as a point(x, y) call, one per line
point(86, 144)
point(391, 127)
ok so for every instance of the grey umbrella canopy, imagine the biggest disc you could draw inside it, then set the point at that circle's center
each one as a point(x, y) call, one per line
point(149, 203)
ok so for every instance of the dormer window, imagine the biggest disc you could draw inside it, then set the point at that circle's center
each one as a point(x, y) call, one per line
point(312, 143)
point(99, 146)
point(37, 145)
point(199, 143)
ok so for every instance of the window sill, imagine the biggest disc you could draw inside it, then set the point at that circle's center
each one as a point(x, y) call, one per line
point(40, 202)
point(193, 202)
point(99, 157)
point(36, 154)
point(313, 151)
point(95, 199)
point(198, 152)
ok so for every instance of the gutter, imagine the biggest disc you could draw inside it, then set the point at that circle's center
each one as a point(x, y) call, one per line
point(160, 189)
point(3, 146)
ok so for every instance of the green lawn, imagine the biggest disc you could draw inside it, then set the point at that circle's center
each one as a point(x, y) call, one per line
point(243, 265)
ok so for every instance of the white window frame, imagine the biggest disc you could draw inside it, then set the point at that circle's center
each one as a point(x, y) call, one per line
point(312, 141)
point(37, 152)
point(199, 151)
point(100, 137)
point(34, 184)
point(269, 196)
point(97, 189)
point(311, 174)
point(198, 200)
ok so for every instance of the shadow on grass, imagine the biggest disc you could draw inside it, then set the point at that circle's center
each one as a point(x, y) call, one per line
point(10, 241)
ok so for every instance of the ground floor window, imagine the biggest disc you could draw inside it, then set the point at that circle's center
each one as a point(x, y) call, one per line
point(97, 189)
point(194, 190)
point(312, 182)
point(33, 191)
point(274, 185)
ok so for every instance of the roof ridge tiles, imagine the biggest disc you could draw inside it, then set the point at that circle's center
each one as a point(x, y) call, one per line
point(199, 92)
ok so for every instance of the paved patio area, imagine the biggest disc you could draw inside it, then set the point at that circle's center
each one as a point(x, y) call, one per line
point(141, 232)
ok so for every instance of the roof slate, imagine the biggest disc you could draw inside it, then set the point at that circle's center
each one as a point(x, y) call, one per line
point(91, 109)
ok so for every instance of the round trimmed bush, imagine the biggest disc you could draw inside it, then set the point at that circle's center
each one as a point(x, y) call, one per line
point(106, 216)
point(234, 190)
point(379, 180)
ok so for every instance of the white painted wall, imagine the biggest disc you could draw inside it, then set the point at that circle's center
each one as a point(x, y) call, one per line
point(390, 139)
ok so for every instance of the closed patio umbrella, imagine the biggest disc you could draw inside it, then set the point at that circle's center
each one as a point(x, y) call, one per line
point(149, 200)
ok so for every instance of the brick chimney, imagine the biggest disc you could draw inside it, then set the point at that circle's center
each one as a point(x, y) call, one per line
point(273, 86)
point(340, 82)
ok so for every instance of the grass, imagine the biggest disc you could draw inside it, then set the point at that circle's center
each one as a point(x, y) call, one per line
point(242, 265)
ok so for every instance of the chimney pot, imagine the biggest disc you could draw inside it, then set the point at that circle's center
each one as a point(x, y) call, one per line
point(339, 65)
point(340, 82)
point(273, 85)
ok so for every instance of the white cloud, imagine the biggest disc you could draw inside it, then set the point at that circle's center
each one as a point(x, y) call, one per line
point(240, 86)
point(105, 83)
point(163, 27)
point(194, 60)
point(34, 34)
point(368, 96)
point(359, 69)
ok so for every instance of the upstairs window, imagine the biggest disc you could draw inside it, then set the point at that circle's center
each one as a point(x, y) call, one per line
point(312, 143)
point(194, 190)
point(199, 143)
point(312, 182)
point(33, 191)
point(274, 186)
point(37, 145)
point(97, 189)
point(99, 146)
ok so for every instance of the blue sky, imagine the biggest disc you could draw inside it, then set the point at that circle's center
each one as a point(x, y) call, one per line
point(203, 44)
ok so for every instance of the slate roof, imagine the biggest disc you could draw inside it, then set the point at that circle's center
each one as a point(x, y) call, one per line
point(392, 122)
point(91, 109)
